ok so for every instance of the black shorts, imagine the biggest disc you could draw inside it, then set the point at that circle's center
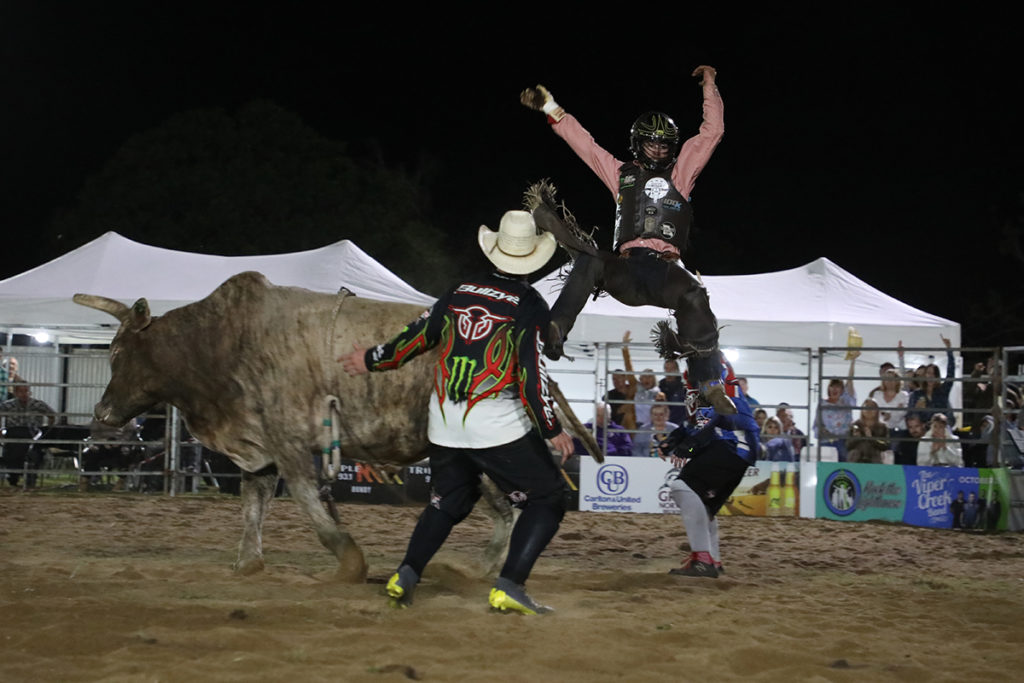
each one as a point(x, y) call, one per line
point(523, 469)
point(715, 474)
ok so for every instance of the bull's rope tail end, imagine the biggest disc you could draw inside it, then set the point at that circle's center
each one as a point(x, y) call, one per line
point(331, 461)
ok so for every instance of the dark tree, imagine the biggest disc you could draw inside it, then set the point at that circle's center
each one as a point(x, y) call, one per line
point(258, 181)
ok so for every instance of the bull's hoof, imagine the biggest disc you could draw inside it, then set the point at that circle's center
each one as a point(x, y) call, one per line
point(248, 567)
point(352, 568)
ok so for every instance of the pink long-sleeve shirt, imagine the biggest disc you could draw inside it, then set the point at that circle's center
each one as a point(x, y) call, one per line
point(693, 155)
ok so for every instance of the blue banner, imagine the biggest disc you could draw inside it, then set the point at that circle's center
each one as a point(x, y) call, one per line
point(940, 497)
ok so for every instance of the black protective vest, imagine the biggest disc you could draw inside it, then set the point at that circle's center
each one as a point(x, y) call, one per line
point(649, 205)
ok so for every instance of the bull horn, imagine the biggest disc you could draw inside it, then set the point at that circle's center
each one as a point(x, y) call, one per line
point(102, 303)
point(573, 424)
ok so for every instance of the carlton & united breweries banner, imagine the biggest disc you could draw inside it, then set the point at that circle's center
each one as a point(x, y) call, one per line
point(642, 485)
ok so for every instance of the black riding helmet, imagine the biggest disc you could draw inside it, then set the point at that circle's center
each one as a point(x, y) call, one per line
point(654, 126)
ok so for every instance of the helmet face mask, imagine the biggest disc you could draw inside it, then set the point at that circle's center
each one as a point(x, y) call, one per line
point(657, 128)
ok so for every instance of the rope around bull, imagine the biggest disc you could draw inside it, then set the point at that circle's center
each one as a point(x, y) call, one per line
point(332, 424)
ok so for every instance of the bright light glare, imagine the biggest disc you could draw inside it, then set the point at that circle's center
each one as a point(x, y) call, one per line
point(41, 337)
point(731, 355)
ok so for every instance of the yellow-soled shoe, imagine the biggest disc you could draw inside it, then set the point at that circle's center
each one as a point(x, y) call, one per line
point(400, 587)
point(507, 596)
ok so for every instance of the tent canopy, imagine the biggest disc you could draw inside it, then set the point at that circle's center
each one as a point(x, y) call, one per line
point(119, 268)
point(819, 293)
point(808, 307)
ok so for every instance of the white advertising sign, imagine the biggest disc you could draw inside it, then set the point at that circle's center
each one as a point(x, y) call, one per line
point(626, 485)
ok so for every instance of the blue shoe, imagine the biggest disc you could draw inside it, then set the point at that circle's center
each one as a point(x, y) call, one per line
point(508, 596)
point(401, 586)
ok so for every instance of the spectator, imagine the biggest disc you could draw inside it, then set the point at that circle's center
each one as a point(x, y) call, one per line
point(980, 450)
point(911, 378)
point(789, 428)
point(979, 403)
point(620, 399)
point(941, 448)
point(760, 415)
point(609, 434)
point(774, 444)
point(647, 391)
point(647, 394)
point(24, 418)
point(869, 436)
point(835, 414)
point(891, 399)
point(1011, 453)
point(676, 393)
point(931, 396)
point(905, 441)
point(743, 385)
point(654, 433)
point(8, 370)
point(882, 370)
point(24, 411)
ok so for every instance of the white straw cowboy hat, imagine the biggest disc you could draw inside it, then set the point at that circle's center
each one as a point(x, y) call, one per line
point(516, 247)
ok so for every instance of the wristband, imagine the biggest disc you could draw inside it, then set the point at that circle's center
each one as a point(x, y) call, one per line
point(555, 113)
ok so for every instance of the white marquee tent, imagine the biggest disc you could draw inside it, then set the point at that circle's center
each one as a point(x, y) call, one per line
point(809, 307)
point(119, 268)
point(798, 309)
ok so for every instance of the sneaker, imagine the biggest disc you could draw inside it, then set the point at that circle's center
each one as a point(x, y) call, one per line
point(400, 587)
point(698, 564)
point(507, 596)
point(719, 400)
point(719, 567)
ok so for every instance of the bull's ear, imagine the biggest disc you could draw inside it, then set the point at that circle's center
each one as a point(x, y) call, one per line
point(140, 317)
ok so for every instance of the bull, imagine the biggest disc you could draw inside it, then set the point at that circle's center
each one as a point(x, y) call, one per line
point(252, 368)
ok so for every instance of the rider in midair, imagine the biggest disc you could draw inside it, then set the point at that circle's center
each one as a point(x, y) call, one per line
point(652, 224)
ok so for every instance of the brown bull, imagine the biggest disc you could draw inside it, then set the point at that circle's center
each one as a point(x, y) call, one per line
point(251, 368)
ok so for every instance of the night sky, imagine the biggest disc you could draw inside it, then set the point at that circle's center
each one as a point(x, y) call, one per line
point(889, 142)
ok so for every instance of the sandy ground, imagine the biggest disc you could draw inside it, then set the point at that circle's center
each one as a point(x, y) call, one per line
point(130, 587)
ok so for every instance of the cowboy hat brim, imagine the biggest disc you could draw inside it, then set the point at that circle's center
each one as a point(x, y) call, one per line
point(544, 249)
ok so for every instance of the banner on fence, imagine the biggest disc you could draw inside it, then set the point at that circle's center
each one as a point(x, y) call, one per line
point(941, 497)
point(358, 482)
point(642, 485)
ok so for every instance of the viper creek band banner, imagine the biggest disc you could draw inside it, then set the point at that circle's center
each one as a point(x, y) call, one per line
point(940, 497)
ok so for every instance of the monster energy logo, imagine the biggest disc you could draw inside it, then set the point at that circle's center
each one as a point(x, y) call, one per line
point(463, 369)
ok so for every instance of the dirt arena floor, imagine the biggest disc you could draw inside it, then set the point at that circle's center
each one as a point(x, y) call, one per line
point(129, 587)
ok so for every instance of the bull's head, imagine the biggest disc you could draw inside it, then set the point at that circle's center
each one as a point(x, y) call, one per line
point(127, 394)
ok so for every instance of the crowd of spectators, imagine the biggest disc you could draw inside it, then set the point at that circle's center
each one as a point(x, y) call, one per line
point(907, 419)
point(22, 418)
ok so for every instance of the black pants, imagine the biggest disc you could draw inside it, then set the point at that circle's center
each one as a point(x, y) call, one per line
point(16, 456)
point(714, 474)
point(523, 469)
point(641, 278)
